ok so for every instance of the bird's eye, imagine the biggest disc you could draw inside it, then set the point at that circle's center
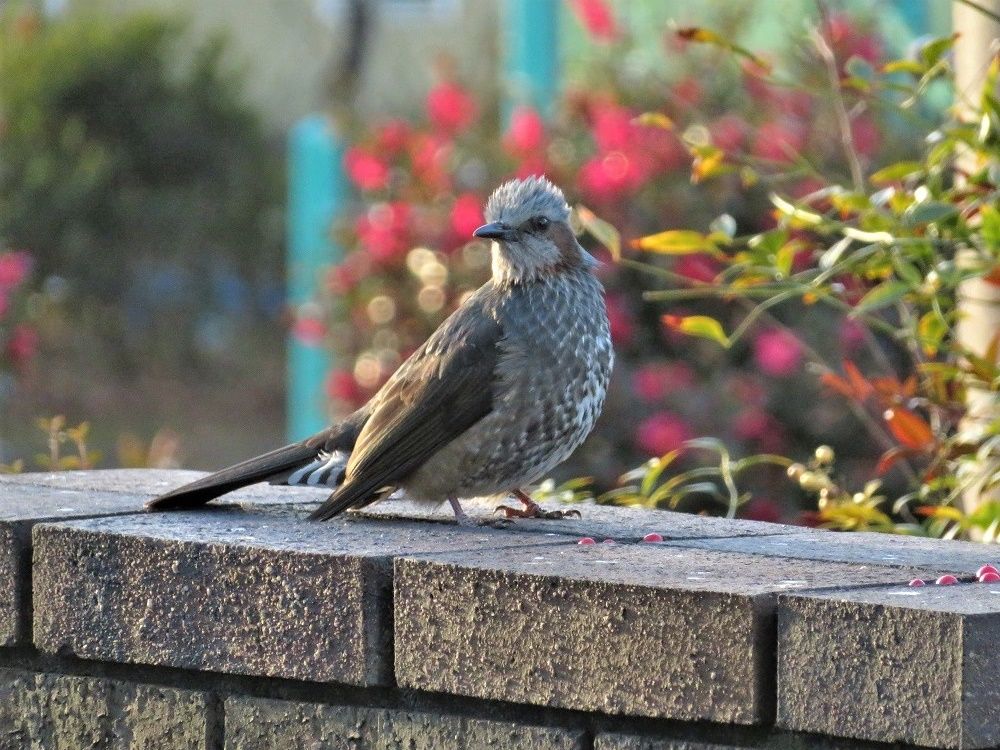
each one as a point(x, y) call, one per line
point(540, 223)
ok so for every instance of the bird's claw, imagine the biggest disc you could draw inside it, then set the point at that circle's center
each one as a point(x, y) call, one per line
point(534, 510)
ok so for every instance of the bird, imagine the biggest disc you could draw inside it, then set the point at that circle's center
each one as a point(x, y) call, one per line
point(505, 389)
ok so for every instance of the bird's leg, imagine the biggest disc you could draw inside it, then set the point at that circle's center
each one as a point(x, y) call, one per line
point(532, 509)
point(460, 517)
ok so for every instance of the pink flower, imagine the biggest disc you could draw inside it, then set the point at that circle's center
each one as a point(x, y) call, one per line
point(526, 132)
point(466, 215)
point(366, 170)
point(22, 344)
point(613, 129)
point(384, 231)
point(662, 433)
point(392, 137)
point(341, 386)
point(596, 18)
point(429, 155)
point(450, 108)
point(620, 320)
point(777, 352)
point(309, 330)
point(14, 268)
point(851, 335)
point(778, 142)
point(656, 381)
point(4, 302)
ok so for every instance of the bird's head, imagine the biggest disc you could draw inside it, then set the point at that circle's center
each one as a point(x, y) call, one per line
point(529, 224)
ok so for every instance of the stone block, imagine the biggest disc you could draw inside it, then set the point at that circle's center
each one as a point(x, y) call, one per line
point(23, 504)
point(932, 557)
point(893, 664)
point(261, 593)
point(257, 723)
point(645, 629)
point(77, 713)
point(598, 521)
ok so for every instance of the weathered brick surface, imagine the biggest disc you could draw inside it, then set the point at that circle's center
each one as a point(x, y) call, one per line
point(598, 521)
point(932, 556)
point(893, 664)
point(648, 630)
point(46, 711)
point(774, 741)
point(256, 723)
point(22, 504)
point(262, 593)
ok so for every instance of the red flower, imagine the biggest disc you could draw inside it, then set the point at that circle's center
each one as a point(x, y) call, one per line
point(450, 108)
point(613, 129)
point(429, 155)
point(662, 433)
point(466, 215)
point(23, 344)
point(687, 91)
point(851, 335)
point(698, 267)
point(526, 132)
point(4, 302)
point(596, 18)
point(777, 352)
point(14, 268)
point(366, 170)
point(762, 509)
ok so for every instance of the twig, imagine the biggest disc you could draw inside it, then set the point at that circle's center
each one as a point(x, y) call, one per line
point(829, 58)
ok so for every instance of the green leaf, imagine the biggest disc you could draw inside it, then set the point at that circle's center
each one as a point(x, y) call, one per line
point(990, 227)
point(698, 325)
point(881, 296)
point(929, 213)
point(904, 66)
point(896, 172)
point(934, 50)
point(707, 36)
point(906, 270)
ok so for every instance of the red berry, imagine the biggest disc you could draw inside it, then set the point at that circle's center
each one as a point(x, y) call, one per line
point(946, 580)
point(987, 568)
point(653, 537)
point(587, 540)
point(990, 576)
point(918, 582)
point(608, 541)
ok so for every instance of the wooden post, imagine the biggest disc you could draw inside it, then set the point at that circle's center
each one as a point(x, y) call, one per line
point(531, 54)
point(978, 300)
point(317, 189)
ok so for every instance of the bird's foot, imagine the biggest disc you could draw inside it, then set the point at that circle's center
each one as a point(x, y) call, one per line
point(533, 510)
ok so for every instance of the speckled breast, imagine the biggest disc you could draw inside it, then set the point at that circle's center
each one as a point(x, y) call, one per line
point(552, 377)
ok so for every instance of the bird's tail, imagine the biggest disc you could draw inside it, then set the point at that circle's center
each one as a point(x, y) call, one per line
point(278, 465)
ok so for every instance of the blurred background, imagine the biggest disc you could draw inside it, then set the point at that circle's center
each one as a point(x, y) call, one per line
point(166, 165)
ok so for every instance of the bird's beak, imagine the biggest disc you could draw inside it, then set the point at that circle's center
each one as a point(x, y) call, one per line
point(495, 231)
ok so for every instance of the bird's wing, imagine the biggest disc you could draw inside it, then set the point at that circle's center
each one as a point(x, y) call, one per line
point(443, 389)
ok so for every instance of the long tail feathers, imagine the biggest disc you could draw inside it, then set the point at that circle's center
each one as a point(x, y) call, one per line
point(259, 469)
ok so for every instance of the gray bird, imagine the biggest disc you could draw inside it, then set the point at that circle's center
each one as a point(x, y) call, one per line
point(499, 395)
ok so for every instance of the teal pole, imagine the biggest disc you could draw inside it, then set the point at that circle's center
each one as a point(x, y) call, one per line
point(317, 189)
point(531, 54)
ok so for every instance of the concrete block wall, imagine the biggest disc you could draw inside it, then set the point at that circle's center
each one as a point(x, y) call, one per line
point(243, 626)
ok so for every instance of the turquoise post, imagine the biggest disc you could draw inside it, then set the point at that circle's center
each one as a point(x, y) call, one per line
point(316, 191)
point(531, 54)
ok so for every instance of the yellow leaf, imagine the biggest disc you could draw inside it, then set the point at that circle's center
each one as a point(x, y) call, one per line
point(600, 230)
point(676, 242)
point(654, 119)
point(698, 325)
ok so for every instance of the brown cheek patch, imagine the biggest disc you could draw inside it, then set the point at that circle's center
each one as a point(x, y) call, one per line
point(562, 236)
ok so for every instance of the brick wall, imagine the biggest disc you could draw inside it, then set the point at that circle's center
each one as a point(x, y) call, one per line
point(243, 626)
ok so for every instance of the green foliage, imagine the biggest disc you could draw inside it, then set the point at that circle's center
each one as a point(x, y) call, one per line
point(123, 152)
point(889, 251)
